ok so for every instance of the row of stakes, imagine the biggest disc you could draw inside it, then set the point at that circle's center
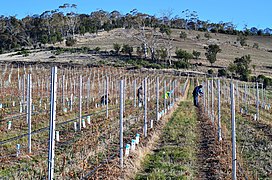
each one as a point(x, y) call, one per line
point(129, 147)
point(245, 111)
point(136, 141)
point(65, 110)
point(9, 123)
point(57, 132)
point(242, 111)
point(40, 104)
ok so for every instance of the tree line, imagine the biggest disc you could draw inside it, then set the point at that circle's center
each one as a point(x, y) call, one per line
point(53, 26)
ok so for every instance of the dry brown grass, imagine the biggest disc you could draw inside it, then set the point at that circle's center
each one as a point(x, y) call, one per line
point(260, 57)
point(228, 43)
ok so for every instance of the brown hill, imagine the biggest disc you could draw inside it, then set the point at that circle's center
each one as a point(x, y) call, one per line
point(231, 48)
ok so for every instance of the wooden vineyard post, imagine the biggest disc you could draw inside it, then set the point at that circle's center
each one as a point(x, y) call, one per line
point(157, 97)
point(62, 98)
point(212, 94)
point(53, 98)
point(149, 89)
point(246, 99)
point(124, 95)
point(80, 102)
point(174, 87)
point(233, 131)
point(23, 94)
point(135, 92)
point(204, 96)
point(219, 110)
point(107, 97)
point(257, 101)
point(164, 95)
point(29, 109)
point(88, 93)
point(121, 123)
point(71, 102)
point(208, 97)
point(170, 94)
point(145, 107)
point(262, 96)
point(237, 94)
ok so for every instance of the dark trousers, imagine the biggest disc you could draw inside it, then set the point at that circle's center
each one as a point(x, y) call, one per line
point(196, 101)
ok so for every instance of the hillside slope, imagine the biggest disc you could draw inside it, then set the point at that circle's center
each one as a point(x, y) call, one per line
point(261, 57)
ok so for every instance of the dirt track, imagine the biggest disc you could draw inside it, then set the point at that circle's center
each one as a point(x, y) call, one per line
point(209, 153)
point(214, 157)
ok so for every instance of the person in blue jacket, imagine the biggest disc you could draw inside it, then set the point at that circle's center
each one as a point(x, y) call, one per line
point(197, 91)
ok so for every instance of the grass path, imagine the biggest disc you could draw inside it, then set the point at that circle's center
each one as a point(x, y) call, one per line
point(188, 149)
point(175, 156)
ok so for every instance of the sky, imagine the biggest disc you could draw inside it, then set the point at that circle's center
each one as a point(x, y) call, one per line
point(239, 12)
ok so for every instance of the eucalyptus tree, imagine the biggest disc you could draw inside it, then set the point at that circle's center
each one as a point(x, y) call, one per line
point(211, 52)
point(146, 32)
point(191, 19)
point(167, 41)
point(71, 18)
point(99, 18)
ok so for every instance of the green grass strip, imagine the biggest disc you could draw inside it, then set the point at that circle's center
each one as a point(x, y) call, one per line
point(175, 156)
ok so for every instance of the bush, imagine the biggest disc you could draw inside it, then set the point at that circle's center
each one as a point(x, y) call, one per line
point(211, 52)
point(144, 63)
point(242, 67)
point(58, 51)
point(116, 47)
point(181, 64)
point(183, 55)
point(53, 39)
point(23, 52)
point(256, 45)
point(210, 71)
point(84, 49)
point(139, 52)
point(183, 35)
point(153, 66)
point(127, 49)
point(161, 54)
point(44, 39)
point(196, 54)
point(70, 41)
point(265, 80)
point(242, 39)
point(207, 35)
point(222, 72)
point(97, 49)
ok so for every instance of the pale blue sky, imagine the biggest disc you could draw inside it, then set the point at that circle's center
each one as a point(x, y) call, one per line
point(240, 12)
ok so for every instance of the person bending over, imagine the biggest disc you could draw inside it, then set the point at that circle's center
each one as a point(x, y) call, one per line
point(197, 91)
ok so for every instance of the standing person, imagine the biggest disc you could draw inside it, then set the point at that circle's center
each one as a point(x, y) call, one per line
point(140, 96)
point(197, 91)
point(105, 99)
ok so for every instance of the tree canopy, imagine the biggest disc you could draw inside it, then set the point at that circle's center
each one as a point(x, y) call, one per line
point(211, 52)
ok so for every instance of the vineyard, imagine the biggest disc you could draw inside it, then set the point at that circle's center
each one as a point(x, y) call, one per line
point(228, 137)
point(86, 126)
point(92, 123)
point(241, 116)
